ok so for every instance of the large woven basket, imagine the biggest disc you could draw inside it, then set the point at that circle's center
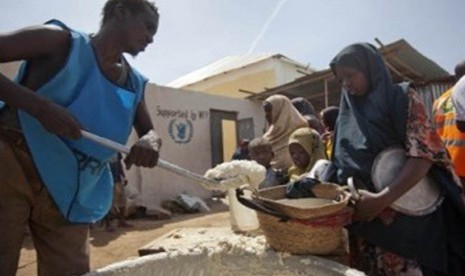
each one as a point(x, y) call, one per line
point(321, 236)
point(339, 199)
point(317, 230)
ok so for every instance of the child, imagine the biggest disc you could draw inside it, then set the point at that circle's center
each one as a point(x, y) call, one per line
point(329, 117)
point(242, 151)
point(260, 151)
point(305, 148)
point(118, 209)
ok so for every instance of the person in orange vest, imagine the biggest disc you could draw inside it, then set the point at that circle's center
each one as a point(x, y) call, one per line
point(458, 99)
point(444, 117)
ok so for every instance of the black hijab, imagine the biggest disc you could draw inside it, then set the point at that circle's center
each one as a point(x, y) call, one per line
point(304, 106)
point(369, 123)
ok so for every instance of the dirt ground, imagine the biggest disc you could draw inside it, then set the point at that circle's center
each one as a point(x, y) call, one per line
point(123, 243)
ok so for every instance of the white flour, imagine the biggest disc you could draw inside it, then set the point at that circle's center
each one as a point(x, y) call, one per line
point(212, 252)
point(236, 173)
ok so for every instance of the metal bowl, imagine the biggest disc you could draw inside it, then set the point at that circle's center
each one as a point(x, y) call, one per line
point(421, 199)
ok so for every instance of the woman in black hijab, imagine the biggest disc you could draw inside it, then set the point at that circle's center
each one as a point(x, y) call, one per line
point(376, 114)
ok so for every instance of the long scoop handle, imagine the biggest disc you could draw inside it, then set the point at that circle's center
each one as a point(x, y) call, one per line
point(161, 163)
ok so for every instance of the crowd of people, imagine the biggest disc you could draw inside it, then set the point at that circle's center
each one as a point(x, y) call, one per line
point(374, 115)
point(57, 184)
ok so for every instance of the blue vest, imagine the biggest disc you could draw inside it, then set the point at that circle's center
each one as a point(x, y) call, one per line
point(76, 173)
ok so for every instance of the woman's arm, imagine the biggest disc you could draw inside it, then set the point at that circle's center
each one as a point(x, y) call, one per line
point(424, 148)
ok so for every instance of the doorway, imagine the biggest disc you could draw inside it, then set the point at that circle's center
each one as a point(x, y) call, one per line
point(226, 131)
point(223, 128)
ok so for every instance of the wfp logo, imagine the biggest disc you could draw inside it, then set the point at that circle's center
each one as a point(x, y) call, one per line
point(181, 130)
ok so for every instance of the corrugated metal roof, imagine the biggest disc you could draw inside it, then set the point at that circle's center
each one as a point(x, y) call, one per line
point(412, 64)
point(405, 62)
point(224, 65)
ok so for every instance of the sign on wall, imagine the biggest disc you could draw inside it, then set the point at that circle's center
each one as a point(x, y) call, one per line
point(180, 122)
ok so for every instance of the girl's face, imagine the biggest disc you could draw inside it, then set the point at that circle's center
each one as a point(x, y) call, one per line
point(299, 156)
point(352, 80)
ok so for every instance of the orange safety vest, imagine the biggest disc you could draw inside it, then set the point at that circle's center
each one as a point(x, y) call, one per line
point(453, 138)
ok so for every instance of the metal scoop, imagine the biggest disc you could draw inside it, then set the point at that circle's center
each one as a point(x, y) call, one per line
point(206, 182)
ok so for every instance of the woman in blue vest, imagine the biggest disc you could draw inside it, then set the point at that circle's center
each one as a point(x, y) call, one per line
point(51, 178)
point(376, 114)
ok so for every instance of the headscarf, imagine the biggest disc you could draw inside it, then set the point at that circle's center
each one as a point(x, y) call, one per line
point(310, 140)
point(304, 106)
point(284, 120)
point(369, 123)
point(309, 113)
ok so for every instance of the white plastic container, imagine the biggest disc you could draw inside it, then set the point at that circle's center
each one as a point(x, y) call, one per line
point(243, 219)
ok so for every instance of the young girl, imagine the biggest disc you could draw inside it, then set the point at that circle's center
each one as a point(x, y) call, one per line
point(305, 148)
point(329, 117)
point(374, 115)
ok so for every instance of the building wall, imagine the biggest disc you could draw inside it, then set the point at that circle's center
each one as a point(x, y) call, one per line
point(429, 93)
point(255, 77)
point(170, 108)
point(229, 87)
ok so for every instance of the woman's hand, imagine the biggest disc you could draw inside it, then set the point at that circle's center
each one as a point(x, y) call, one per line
point(144, 152)
point(370, 205)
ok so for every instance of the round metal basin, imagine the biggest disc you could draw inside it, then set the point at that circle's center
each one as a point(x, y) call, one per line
point(211, 251)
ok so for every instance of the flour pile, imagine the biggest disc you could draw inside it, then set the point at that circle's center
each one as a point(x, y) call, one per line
point(236, 173)
point(218, 251)
point(211, 241)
